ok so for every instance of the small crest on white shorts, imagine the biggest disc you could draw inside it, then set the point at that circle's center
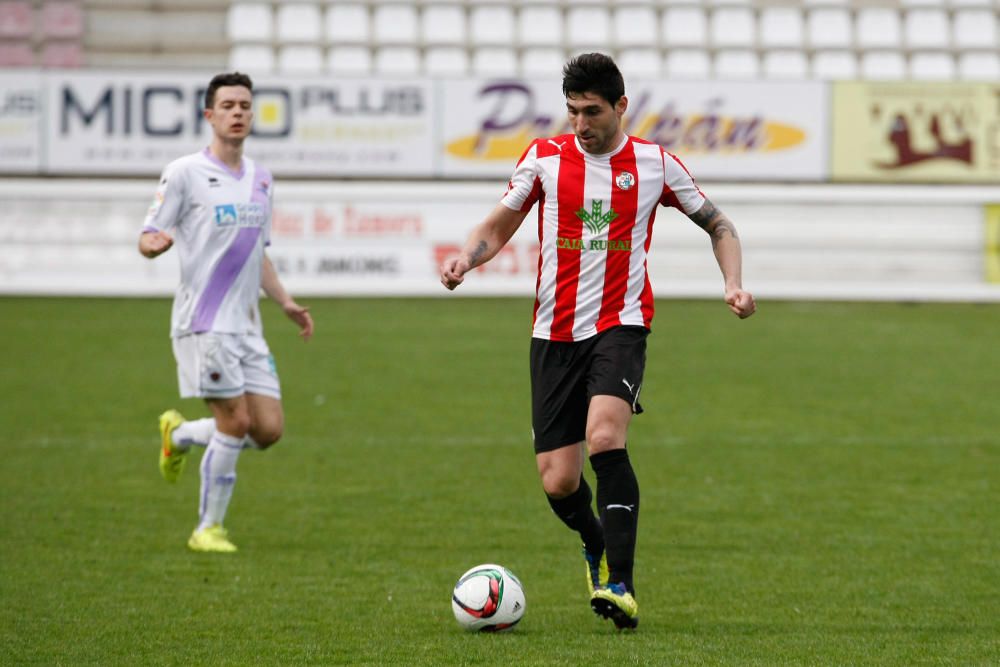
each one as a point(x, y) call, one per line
point(625, 180)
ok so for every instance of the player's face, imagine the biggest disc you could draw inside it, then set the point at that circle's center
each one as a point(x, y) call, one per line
point(596, 123)
point(232, 113)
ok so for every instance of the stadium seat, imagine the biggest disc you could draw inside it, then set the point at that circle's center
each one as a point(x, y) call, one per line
point(979, 66)
point(926, 28)
point(635, 25)
point(922, 3)
point(299, 23)
point(347, 24)
point(785, 64)
point(684, 26)
point(62, 20)
point(62, 53)
point(736, 64)
point(300, 59)
point(834, 65)
point(443, 24)
point(974, 28)
point(494, 61)
point(445, 60)
point(540, 26)
point(878, 27)
point(688, 64)
point(883, 66)
point(781, 27)
point(639, 63)
point(732, 27)
point(932, 66)
point(829, 27)
point(542, 61)
point(491, 25)
point(395, 24)
point(17, 19)
point(349, 60)
point(588, 27)
point(249, 22)
point(16, 54)
point(252, 58)
point(397, 60)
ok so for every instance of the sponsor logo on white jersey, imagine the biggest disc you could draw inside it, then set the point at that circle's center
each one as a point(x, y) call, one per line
point(240, 215)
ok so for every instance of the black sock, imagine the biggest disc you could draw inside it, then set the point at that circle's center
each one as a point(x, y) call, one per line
point(617, 488)
point(575, 511)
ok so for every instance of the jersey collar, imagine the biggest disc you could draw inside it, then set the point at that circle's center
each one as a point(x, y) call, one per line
point(602, 156)
point(238, 175)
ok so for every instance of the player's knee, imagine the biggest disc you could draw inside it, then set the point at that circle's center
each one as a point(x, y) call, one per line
point(558, 485)
point(602, 438)
point(264, 438)
point(266, 432)
point(235, 423)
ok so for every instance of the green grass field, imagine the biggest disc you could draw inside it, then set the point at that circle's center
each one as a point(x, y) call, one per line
point(820, 486)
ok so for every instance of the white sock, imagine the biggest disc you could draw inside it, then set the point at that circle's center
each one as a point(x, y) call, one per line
point(197, 432)
point(218, 476)
point(250, 443)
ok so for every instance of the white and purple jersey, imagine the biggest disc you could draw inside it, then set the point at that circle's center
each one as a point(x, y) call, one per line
point(220, 221)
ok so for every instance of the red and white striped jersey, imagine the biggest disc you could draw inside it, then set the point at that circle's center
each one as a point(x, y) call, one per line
point(595, 221)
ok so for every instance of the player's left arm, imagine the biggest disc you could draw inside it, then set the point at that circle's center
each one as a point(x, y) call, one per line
point(729, 255)
point(273, 288)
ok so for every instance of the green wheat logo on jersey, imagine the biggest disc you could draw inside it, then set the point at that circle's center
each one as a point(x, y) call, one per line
point(596, 220)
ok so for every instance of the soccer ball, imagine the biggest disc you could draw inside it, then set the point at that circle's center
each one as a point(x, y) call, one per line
point(488, 598)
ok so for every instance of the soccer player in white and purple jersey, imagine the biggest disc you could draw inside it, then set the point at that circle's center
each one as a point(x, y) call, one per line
point(597, 192)
point(215, 207)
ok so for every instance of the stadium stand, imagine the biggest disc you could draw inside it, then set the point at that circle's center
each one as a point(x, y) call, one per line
point(786, 39)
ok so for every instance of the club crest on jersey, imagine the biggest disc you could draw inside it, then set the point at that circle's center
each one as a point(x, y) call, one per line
point(625, 180)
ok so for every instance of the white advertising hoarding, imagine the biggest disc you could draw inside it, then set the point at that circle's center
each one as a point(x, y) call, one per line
point(332, 239)
point(20, 122)
point(128, 124)
point(721, 130)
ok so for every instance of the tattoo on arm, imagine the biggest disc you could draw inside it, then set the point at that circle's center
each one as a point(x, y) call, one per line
point(713, 221)
point(477, 254)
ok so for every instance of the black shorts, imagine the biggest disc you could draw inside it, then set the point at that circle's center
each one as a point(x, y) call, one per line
point(564, 376)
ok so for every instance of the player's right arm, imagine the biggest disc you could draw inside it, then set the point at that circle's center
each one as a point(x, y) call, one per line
point(485, 241)
point(493, 233)
point(163, 213)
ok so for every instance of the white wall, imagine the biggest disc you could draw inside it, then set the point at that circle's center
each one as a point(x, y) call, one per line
point(384, 238)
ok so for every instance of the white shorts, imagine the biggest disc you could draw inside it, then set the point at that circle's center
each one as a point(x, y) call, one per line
point(216, 365)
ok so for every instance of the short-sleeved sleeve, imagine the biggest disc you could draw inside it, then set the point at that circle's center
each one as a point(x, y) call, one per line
point(270, 208)
point(524, 187)
point(679, 188)
point(168, 202)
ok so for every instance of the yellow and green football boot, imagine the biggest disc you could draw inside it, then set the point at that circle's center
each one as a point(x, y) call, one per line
point(615, 602)
point(597, 571)
point(214, 539)
point(172, 457)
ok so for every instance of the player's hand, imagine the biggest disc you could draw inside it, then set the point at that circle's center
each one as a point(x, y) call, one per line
point(155, 243)
point(453, 271)
point(300, 315)
point(741, 302)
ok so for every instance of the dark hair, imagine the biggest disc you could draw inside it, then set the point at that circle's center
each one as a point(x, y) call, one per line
point(593, 73)
point(225, 79)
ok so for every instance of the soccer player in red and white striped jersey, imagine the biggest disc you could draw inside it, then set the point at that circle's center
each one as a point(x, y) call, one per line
point(597, 192)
